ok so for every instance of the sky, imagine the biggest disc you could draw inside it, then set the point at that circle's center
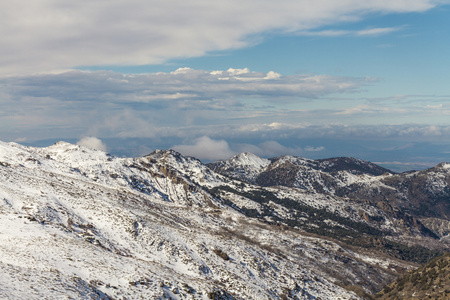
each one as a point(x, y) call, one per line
point(317, 79)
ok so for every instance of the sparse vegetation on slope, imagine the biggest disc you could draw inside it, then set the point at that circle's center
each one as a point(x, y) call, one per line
point(165, 226)
point(431, 281)
point(314, 220)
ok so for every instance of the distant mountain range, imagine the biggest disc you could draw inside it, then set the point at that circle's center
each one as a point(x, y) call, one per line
point(81, 223)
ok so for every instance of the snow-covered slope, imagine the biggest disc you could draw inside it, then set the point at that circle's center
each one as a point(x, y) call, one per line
point(320, 176)
point(79, 223)
point(244, 166)
point(422, 194)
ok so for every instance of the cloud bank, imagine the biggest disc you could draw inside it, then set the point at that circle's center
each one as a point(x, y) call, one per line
point(208, 103)
point(206, 148)
point(105, 103)
point(65, 34)
point(310, 140)
point(183, 84)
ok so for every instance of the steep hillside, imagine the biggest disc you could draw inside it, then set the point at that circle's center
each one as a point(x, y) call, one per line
point(431, 281)
point(80, 223)
point(413, 198)
point(84, 224)
point(319, 176)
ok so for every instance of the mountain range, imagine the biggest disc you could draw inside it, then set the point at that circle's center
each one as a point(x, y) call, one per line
point(80, 223)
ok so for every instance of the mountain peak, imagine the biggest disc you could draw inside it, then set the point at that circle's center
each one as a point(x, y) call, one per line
point(444, 166)
point(244, 166)
point(174, 157)
point(249, 159)
point(64, 146)
point(166, 226)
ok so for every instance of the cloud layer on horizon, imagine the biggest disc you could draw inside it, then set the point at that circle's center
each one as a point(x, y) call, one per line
point(206, 103)
point(181, 84)
point(67, 34)
point(112, 104)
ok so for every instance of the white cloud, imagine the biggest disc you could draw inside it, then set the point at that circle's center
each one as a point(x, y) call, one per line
point(20, 140)
point(209, 149)
point(267, 148)
point(301, 131)
point(314, 149)
point(191, 103)
point(363, 32)
point(92, 142)
point(437, 106)
point(109, 104)
point(272, 75)
point(376, 31)
point(234, 72)
point(377, 110)
point(63, 34)
point(274, 148)
point(182, 84)
point(206, 148)
point(354, 110)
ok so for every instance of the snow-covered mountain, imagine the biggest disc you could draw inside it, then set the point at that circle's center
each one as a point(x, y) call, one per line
point(244, 166)
point(323, 175)
point(424, 195)
point(79, 223)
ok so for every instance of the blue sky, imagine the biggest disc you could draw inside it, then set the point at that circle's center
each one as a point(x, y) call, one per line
point(310, 78)
point(417, 45)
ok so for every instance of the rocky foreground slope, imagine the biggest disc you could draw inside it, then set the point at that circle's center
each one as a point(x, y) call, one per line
point(80, 223)
point(431, 281)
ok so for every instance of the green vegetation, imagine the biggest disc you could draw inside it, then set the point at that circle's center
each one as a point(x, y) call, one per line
point(4, 164)
point(431, 281)
point(348, 231)
point(221, 254)
point(220, 295)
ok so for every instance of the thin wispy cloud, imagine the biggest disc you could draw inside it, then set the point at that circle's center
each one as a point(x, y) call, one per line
point(376, 31)
point(357, 33)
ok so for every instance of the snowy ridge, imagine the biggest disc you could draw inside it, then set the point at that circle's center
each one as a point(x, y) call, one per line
point(250, 160)
point(245, 166)
point(356, 179)
point(70, 227)
point(319, 176)
point(80, 223)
